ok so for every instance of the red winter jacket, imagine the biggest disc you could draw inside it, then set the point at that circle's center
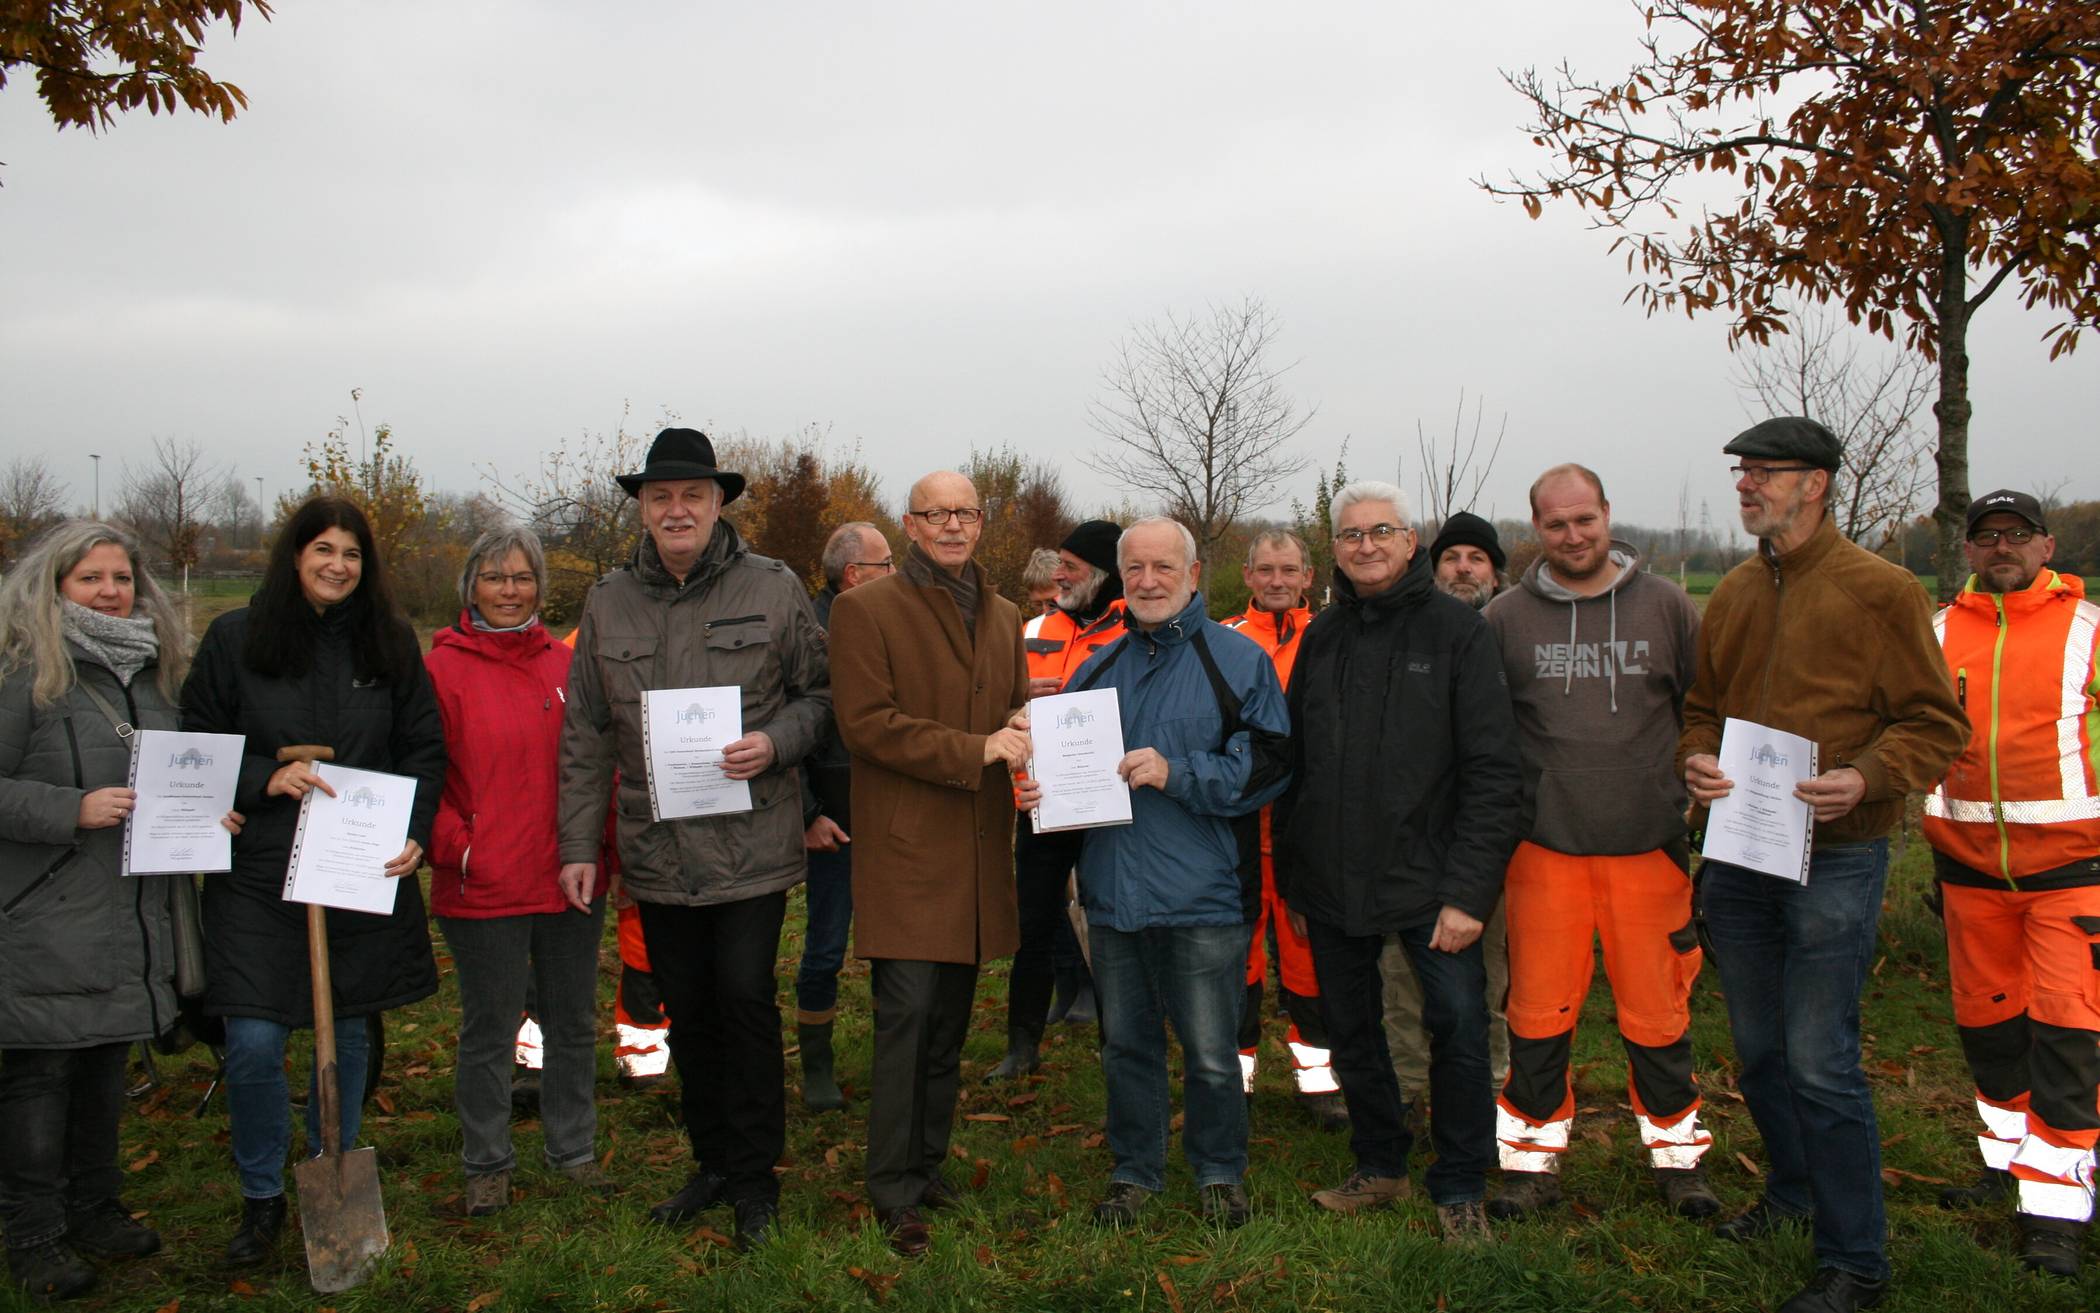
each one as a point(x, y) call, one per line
point(494, 851)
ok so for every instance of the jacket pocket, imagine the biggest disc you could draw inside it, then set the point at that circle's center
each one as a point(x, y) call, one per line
point(21, 902)
point(626, 665)
point(56, 937)
point(740, 651)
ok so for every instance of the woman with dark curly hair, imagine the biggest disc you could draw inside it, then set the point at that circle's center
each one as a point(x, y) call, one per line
point(319, 658)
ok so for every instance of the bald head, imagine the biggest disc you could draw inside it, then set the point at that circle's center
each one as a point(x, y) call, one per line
point(940, 503)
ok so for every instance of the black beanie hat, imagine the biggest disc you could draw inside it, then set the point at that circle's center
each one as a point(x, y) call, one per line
point(1095, 543)
point(1465, 529)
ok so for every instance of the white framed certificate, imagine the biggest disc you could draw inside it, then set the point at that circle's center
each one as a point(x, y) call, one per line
point(1078, 743)
point(683, 733)
point(185, 783)
point(1761, 825)
point(342, 845)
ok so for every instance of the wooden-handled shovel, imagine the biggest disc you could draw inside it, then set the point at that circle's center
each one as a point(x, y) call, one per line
point(340, 1210)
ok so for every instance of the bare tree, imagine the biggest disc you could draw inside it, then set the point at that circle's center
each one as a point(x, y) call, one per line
point(31, 500)
point(1196, 415)
point(168, 500)
point(1869, 402)
point(586, 519)
point(1450, 480)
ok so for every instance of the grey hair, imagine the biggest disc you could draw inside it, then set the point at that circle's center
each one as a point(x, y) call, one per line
point(1368, 490)
point(496, 544)
point(841, 549)
point(1041, 562)
point(1188, 540)
point(1279, 538)
point(32, 628)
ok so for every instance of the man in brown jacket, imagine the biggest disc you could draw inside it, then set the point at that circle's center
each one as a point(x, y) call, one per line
point(1817, 637)
point(930, 670)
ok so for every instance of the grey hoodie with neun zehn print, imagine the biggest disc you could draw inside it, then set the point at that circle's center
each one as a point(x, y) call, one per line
point(1598, 685)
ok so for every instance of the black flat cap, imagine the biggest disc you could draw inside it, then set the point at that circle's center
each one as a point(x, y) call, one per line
point(1790, 437)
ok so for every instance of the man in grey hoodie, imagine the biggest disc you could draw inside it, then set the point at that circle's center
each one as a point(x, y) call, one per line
point(1599, 655)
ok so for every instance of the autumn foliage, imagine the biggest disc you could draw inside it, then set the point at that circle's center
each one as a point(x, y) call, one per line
point(95, 58)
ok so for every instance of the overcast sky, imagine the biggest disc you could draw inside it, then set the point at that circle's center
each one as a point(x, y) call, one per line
point(923, 225)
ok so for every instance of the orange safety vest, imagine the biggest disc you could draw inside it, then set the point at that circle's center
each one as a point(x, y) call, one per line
point(1057, 644)
point(1278, 633)
point(2024, 796)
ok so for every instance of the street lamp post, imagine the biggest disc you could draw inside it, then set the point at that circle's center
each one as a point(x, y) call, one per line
point(262, 516)
point(98, 483)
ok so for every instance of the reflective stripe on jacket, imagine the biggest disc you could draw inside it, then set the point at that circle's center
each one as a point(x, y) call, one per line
point(1060, 644)
point(2024, 797)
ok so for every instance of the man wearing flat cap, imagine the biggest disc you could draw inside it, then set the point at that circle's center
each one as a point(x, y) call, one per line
point(1820, 638)
point(696, 609)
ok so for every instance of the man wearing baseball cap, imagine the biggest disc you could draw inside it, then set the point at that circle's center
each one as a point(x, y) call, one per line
point(2015, 835)
point(696, 609)
point(1821, 638)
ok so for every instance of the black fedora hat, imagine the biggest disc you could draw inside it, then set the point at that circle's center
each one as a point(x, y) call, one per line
point(682, 454)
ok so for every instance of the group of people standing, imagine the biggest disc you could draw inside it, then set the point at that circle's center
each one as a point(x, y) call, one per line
point(1435, 796)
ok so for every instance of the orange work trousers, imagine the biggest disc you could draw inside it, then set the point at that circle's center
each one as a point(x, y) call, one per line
point(2025, 973)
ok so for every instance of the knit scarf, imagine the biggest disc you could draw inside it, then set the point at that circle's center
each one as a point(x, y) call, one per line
point(123, 645)
point(920, 569)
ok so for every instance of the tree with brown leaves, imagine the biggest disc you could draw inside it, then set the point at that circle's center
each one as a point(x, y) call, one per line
point(95, 58)
point(1906, 158)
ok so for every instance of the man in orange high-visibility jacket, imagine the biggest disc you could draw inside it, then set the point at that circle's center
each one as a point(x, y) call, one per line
point(2015, 833)
point(1278, 571)
point(1088, 617)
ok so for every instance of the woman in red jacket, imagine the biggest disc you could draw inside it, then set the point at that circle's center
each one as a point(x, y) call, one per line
point(501, 681)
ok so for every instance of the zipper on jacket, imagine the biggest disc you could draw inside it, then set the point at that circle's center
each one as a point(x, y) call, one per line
point(731, 620)
point(1764, 700)
point(1998, 804)
point(49, 872)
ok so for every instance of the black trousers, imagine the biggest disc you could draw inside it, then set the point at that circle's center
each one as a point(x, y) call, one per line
point(1042, 864)
point(59, 1110)
point(922, 1012)
point(714, 966)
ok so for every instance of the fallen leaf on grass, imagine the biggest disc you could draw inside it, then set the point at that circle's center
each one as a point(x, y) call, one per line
point(1065, 1128)
point(1166, 1287)
point(831, 1156)
point(1094, 1141)
point(1749, 1166)
point(243, 1289)
point(172, 1306)
point(986, 1117)
point(1060, 1110)
point(878, 1283)
point(483, 1300)
point(1182, 1260)
point(1025, 1145)
point(710, 1235)
point(1057, 1188)
point(985, 1257)
point(385, 1102)
point(1895, 1174)
point(1879, 963)
point(981, 1171)
point(141, 1164)
point(1021, 1100)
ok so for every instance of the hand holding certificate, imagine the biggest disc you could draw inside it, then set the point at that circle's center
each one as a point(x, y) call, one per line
point(683, 733)
point(1761, 824)
point(185, 785)
point(346, 840)
point(1078, 743)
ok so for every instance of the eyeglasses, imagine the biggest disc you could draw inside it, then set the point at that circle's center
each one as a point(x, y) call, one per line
point(1762, 474)
point(940, 515)
point(1991, 537)
point(526, 580)
point(1377, 533)
point(890, 564)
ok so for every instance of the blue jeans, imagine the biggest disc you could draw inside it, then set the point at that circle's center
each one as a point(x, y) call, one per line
point(829, 892)
point(495, 958)
point(1454, 1012)
point(1194, 976)
point(1793, 960)
point(259, 1099)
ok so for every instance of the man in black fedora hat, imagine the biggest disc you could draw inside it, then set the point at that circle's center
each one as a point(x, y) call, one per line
point(696, 609)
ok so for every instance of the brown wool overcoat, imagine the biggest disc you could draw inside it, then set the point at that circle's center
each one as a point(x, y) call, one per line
point(933, 826)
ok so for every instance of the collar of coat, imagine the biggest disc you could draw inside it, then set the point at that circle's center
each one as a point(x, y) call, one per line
point(1411, 589)
point(1176, 628)
point(723, 546)
point(1805, 557)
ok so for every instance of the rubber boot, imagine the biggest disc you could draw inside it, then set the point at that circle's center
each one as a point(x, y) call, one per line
point(1021, 1056)
point(820, 1086)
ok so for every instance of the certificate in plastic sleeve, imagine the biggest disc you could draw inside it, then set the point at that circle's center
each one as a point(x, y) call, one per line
point(1078, 740)
point(683, 733)
point(343, 843)
point(1761, 825)
point(185, 783)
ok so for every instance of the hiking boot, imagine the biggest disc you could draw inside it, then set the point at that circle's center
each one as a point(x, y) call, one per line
point(256, 1240)
point(1524, 1193)
point(820, 1086)
point(907, 1231)
point(50, 1271)
point(1121, 1205)
point(1685, 1191)
point(1328, 1111)
point(1361, 1191)
point(1465, 1223)
point(1021, 1056)
point(1990, 1187)
point(1225, 1203)
point(2050, 1245)
point(106, 1229)
point(588, 1176)
point(487, 1192)
point(1758, 1221)
point(755, 1219)
point(702, 1191)
point(1832, 1291)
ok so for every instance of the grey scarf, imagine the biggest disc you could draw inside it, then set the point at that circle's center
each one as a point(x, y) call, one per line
point(920, 569)
point(124, 645)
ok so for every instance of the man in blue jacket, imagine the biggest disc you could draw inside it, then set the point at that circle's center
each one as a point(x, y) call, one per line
point(1169, 898)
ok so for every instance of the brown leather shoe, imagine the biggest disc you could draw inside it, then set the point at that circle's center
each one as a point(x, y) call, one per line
point(907, 1231)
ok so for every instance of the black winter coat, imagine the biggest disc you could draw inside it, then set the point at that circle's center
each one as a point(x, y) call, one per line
point(1406, 786)
point(254, 941)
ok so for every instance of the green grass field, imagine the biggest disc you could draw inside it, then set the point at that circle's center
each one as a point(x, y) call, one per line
point(1035, 1158)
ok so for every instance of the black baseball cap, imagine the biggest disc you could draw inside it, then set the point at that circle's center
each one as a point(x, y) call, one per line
point(2022, 504)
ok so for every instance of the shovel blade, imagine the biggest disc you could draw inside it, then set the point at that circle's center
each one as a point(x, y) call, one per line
point(342, 1217)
